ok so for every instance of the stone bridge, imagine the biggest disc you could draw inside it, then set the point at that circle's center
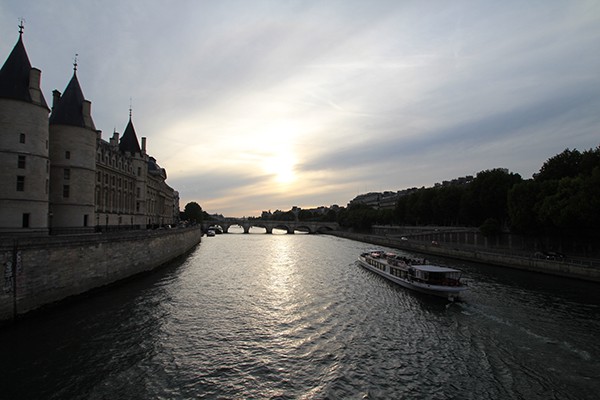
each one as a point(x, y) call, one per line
point(289, 226)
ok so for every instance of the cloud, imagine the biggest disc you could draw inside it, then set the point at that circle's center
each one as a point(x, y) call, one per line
point(311, 103)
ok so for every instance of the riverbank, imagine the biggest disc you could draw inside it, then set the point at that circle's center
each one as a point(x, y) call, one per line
point(567, 268)
point(39, 271)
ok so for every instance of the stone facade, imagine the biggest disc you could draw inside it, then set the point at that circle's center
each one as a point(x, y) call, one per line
point(59, 175)
point(24, 142)
point(44, 270)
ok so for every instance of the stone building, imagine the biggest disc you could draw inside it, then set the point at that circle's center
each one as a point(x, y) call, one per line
point(24, 141)
point(57, 174)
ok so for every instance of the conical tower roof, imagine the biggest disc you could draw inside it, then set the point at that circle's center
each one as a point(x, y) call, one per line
point(15, 75)
point(69, 108)
point(129, 141)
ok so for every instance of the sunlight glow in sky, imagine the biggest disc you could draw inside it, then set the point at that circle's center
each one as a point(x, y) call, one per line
point(265, 105)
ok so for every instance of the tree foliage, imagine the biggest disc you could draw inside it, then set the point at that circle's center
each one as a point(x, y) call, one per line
point(467, 204)
point(569, 164)
point(193, 212)
point(563, 198)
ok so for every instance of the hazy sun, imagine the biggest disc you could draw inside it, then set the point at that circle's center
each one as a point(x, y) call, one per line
point(281, 160)
point(281, 166)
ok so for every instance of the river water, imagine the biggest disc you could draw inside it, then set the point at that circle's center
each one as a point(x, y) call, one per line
point(292, 316)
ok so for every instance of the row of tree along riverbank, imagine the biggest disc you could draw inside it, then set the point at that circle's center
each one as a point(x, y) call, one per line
point(583, 269)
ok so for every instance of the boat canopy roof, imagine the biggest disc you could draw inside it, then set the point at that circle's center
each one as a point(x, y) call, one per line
point(434, 268)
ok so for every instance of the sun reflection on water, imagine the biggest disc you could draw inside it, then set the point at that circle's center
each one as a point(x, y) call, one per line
point(282, 271)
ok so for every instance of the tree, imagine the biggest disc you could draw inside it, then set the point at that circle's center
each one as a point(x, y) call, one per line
point(193, 212)
point(490, 227)
point(522, 201)
point(574, 205)
point(447, 204)
point(305, 215)
point(489, 195)
point(565, 164)
point(331, 216)
point(359, 216)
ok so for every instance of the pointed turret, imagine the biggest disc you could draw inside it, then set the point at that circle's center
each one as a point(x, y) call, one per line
point(129, 141)
point(18, 79)
point(73, 139)
point(71, 108)
point(24, 137)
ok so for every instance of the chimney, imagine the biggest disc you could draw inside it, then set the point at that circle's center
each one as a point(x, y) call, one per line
point(86, 109)
point(34, 85)
point(114, 140)
point(35, 75)
point(55, 98)
point(143, 145)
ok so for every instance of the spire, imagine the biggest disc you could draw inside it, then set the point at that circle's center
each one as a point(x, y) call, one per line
point(129, 141)
point(21, 27)
point(16, 75)
point(72, 108)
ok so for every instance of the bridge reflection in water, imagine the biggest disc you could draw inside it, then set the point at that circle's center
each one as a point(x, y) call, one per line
point(288, 226)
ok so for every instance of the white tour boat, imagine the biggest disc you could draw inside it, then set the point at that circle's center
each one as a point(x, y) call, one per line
point(414, 274)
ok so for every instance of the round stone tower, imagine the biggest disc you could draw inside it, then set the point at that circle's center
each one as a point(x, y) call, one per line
point(73, 159)
point(24, 163)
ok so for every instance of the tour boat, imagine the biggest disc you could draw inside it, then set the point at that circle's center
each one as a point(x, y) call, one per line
point(414, 274)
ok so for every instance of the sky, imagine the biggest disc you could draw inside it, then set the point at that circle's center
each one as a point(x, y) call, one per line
point(264, 105)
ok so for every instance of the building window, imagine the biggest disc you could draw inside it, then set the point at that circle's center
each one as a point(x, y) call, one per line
point(25, 220)
point(21, 138)
point(99, 177)
point(66, 190)
point(20, 183)
point(139, 171)
point(47, 185)
point(67, 174)
point(21, 162)
point(68, 155)
point(85, 220)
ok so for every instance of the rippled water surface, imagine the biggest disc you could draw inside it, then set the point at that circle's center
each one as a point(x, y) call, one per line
point(292, 316)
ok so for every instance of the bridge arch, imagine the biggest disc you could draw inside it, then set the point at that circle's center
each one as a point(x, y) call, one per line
point(306, 228)
point(290, 227)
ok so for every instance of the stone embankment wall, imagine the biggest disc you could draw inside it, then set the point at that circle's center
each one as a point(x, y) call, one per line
point(43, 270)
point(568, 268)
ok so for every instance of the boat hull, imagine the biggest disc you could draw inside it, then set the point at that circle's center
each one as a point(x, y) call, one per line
point(451, 293)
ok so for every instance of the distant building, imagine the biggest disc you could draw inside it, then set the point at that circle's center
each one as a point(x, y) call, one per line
point(388, 199)
point(380, 200)
point(370, 199)
point(58, 172)
point(463, 180)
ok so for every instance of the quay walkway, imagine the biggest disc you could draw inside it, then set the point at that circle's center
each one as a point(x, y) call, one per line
point(577, 268)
